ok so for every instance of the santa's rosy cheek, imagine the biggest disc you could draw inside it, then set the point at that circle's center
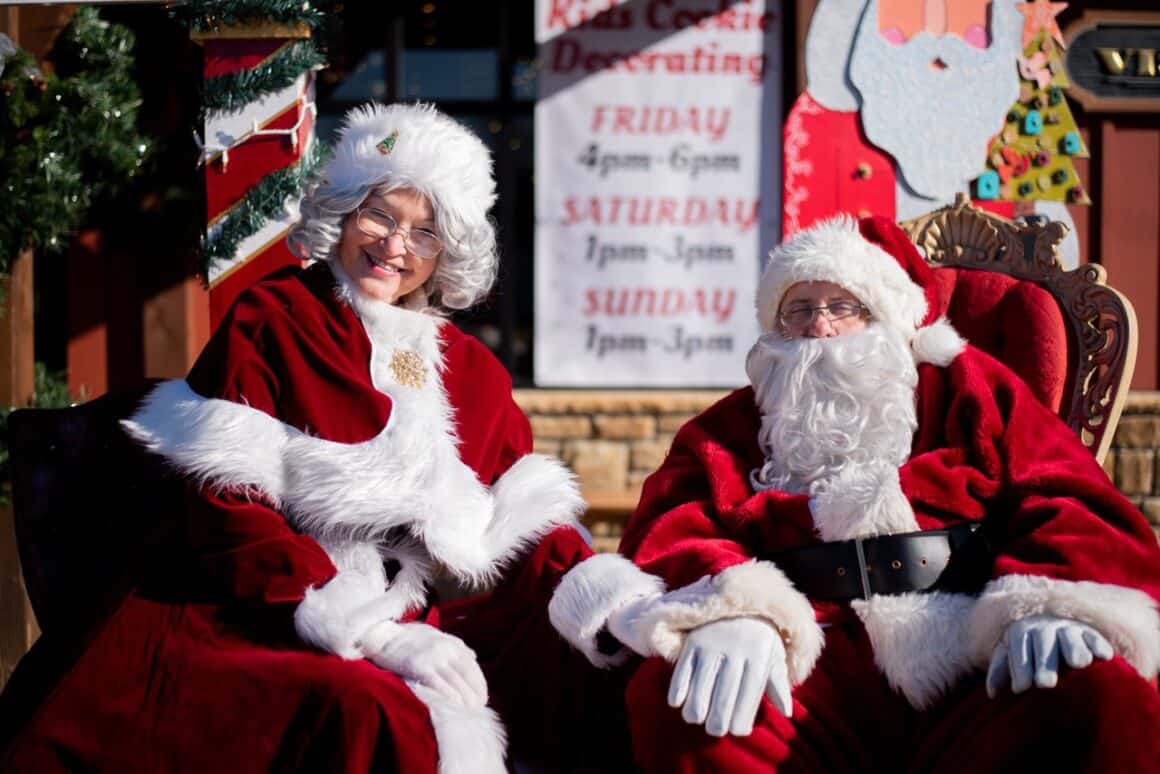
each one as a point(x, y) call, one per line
point(893, 36)
point(976, 35)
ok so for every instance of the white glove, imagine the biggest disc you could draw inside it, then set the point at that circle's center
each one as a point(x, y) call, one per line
point(626, 624)
point(435, 659)
point(724, 669)
point(1030, 647)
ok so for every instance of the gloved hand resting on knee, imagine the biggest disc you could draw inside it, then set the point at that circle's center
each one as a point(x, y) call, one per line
point(724, 669)
point(1030, 648)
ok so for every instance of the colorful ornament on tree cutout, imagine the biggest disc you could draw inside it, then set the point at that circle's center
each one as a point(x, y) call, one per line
point(987, 185)
point(1071, 143)
point(1032, 122)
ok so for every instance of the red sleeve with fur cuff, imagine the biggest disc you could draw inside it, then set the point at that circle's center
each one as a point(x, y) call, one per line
point(241, 547)
point(1067, 542)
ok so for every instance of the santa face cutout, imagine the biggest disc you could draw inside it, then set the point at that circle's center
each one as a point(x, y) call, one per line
point(940, 86)
point(820, 310)
point(381, 262)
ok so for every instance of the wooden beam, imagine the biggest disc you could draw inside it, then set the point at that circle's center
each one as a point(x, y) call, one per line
point(17, 624)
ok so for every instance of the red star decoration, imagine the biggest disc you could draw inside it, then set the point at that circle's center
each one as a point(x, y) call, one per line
point(1038, 15)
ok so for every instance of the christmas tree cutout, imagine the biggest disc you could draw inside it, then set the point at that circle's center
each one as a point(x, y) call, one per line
point(1033, 157)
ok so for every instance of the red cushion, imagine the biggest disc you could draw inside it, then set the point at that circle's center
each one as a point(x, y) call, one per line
point(1016, 321)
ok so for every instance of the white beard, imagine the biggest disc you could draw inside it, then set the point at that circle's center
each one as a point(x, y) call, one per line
point(837, 420)
point(936, 123)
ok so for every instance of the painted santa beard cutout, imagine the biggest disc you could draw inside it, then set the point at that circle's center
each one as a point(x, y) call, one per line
point(838, 418)
point(954, 111)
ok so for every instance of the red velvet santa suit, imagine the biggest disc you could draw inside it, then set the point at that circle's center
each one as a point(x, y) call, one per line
point(1067, 543)
point(895, 680)
point(297, 421)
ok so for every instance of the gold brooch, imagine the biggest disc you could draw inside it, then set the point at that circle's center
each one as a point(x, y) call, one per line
point(388, 144)
point(407, 368)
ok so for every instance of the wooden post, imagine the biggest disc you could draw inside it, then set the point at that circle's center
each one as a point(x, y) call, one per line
point(18, 628)
point(34, 29)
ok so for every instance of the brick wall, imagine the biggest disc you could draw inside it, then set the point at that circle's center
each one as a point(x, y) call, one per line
point(614, 439)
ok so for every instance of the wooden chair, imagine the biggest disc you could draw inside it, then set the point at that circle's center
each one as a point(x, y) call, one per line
point(1098, 322)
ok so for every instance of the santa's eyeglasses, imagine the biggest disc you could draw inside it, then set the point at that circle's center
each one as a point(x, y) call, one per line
point(800, 316)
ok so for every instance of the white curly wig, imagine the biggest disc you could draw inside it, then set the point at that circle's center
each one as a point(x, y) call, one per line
point(382, 148)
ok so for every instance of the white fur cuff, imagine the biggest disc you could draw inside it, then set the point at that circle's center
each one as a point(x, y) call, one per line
point(592, 591)
point(756, 588)
point(327, 617)
point(1128, 618)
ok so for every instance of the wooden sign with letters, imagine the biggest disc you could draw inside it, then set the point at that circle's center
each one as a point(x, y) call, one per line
point(1112, 61)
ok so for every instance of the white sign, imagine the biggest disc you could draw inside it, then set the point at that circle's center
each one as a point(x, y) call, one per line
point(658, 180)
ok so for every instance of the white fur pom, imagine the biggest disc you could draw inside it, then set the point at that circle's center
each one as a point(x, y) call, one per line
point(592, 591)
point(937, 343)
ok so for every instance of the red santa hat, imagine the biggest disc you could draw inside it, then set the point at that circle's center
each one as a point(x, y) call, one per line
point(876, 261)
point(417, 147)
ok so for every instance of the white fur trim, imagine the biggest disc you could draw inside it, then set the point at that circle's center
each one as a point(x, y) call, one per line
point(201, 438)
point(408, 476)
point(1127, 617)
point(471, 740)
point(432, 154)
point(755, 588)
point(834, 250)
point(326, 618)
point(937, 343)
point(589, 593)
point(919, 641)
point(861, 501)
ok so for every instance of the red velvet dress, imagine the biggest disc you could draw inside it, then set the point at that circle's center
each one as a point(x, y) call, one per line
point(201, 668)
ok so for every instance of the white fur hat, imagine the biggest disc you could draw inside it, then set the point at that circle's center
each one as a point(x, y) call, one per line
point(421, 148)
point(876, 261)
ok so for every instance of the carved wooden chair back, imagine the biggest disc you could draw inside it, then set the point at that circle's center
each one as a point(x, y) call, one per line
point(1100, 324)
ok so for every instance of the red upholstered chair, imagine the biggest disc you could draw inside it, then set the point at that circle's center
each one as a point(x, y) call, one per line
point(1066, 333)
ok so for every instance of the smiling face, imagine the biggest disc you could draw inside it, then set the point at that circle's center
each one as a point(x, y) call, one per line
point(383, 268)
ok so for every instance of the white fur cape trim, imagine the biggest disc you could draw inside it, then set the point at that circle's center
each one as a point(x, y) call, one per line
point(1127, 617)
point(834, 250)
point(751, 589)
point(363, 490)
point(471, 740)
point(589, 593)
point(919, 641)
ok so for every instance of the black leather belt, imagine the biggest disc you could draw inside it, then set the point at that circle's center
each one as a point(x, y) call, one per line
point(954, 559)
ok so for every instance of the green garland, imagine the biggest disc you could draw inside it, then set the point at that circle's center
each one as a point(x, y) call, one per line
point(231, 92)
point(69, 138)
point(261, 203)
point(212, 15)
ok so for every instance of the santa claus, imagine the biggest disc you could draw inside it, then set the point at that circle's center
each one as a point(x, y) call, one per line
point(884, 552)
point(907, 97)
